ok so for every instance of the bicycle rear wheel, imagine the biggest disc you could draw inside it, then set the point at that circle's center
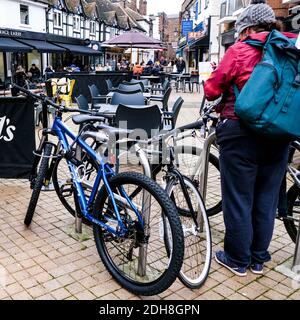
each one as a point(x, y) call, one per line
point(38, 183)
point(291, 223)
point(123, 257)
point(197, 240)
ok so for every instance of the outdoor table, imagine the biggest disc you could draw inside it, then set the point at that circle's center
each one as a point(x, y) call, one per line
point(152, 79)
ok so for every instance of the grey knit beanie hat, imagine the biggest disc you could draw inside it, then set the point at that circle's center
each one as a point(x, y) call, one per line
point(258, 12)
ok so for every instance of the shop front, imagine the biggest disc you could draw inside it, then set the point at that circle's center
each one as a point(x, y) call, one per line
point(24, 48)
point(198, 44)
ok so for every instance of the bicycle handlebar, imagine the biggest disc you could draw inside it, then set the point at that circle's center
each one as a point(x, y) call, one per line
point(47, 100)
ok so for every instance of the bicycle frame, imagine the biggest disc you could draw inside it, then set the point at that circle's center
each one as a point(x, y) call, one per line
point(60, 130)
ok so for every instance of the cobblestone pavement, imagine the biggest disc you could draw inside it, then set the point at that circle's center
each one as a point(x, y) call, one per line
point(47, 262)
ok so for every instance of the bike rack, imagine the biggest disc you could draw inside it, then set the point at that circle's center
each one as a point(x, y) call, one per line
point(203, 173)
point(296, 262)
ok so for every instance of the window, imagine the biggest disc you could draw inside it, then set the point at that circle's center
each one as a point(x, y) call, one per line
point(24, 14)
point(92, 27)
point(76, 24)
point(57, 18)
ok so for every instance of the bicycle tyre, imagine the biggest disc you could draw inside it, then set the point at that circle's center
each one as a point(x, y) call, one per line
point(145, 286)
point(198, 245)
point(39, 181)
point(216, 207)
point(293, 198)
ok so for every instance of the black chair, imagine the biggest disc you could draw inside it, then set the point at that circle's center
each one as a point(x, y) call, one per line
point(145, 82)
point(130, 98)
point(109, 85)
point(164, 99)
point(147, 118)
point(170, 118)
point(82, 103)
point(195, 81)
point(132, 87)
point(97, 98)
point(130, 84)
point(162, 89)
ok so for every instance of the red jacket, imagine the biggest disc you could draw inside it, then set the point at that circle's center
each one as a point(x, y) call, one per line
point(235, 68)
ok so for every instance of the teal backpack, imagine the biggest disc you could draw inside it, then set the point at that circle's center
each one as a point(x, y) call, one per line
point(269, 103)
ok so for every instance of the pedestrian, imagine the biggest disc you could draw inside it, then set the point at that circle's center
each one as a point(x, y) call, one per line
point(252, 166)
point(180, 65)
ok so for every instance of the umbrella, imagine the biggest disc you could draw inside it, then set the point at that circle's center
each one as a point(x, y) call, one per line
point(133, 39)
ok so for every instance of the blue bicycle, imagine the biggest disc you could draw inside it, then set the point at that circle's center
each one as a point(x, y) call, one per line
point(136, 227)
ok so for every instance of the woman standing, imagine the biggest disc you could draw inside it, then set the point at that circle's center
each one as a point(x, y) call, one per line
point(252, 166)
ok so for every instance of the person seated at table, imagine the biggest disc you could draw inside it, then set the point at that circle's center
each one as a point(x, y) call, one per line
point(157, 68)
point(35, 73)
point(49, 69)
point(137, 69)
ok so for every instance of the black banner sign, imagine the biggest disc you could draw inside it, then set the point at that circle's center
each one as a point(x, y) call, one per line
point(17, 137)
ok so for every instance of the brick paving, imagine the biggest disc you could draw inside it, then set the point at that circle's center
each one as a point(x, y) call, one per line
point(45, 262)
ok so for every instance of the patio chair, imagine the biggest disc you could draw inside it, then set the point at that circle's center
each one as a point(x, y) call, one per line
point(130, 98)
point(82, 102)
point(170, 118)
point(97, 98)
point(164, 99)
point(145, 82)
point(67, 97)
point(109, 85)
point(130, 84)
point(161, 89)
point(148, 118)
point(130, 88)
point(195, 81)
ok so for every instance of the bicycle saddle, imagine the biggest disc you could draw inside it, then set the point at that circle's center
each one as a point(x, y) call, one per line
point(81, 119)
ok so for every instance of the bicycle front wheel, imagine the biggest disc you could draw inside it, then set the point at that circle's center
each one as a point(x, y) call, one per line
point(141, 261)
point(197, 238)
point(188, 161)
point(291, 223)
point(38, 184)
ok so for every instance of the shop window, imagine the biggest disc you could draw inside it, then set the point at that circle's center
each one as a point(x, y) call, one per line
point(2, 67)
point(57, 18)
point(76, 24)
point(24, 14)
point(92, 27)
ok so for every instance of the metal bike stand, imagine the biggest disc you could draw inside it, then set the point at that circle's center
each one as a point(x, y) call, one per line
point(143, 251)
point(78, 220)
point(203, 173)
point(296, 262)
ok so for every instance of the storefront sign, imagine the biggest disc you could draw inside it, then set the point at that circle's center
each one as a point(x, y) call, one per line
point(17, 137)
point(182, 41)
point(196, 35)
point(186, 27)
point(10, 33)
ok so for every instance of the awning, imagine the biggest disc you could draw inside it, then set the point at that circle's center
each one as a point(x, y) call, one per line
point(203, 42)
point(42, 46)
point(77, 49)
point(10, 45)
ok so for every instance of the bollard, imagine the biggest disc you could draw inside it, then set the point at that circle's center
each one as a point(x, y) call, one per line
point(296, 262)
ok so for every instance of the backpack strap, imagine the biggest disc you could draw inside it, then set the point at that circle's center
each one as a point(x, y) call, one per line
point(236, 90)
point(255, 43)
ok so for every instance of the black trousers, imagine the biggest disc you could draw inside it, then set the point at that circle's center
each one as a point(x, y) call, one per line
point(252, 170)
